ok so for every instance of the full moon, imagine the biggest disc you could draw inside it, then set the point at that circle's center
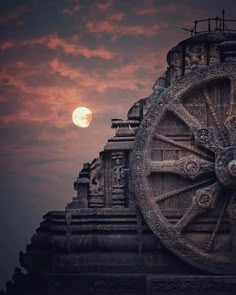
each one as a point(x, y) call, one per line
point(82, 117)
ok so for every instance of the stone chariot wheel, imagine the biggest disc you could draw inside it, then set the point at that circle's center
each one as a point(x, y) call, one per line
point(185, 168)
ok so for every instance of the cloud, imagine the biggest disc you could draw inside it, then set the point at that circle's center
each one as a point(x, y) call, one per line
point(72, 10)
point(123, 76)
point(104, 27)
point(118, 16)
point(68, 47)
point(116, 23)
point(104, 6)
point(147, 11)
point(171, 13)
point(7, 45)
point(41, 101)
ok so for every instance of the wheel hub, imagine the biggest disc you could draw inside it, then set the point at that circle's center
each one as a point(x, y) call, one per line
point(225, 167)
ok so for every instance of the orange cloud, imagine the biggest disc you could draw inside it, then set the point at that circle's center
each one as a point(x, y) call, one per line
point(7, 45)
point(68, 47)
point(54, 102)
point(117, 30)
point(104, 6)
point(118, 16)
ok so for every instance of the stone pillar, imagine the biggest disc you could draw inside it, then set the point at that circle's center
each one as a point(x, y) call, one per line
point(118, 180)
point(81, 185)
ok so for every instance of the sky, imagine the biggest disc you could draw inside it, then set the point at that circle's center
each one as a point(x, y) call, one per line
point(56, 56)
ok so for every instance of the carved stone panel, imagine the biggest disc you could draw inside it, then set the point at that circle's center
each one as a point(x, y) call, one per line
point(195, 55)
point(118, 180)
point(96, 184)
point(214, 54)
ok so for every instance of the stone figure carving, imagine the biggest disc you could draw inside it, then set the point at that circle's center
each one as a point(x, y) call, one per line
point(96, 177)
point(118, 173)
point(195, 55)
point(118, 180)
point(214, 54)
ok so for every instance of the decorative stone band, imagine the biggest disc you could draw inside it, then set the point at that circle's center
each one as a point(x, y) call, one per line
point(228, 51)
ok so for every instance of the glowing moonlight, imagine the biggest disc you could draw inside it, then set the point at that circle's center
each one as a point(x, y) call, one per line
point(82, 117)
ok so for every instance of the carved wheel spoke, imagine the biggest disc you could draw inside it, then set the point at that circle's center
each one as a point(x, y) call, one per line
point(180, 111)
point(231, 210)
point(203, 200)
point(230, 122)
point(176, 192)
point(189, 167)
point(221, 133)
point(203, 136)
point(189, 148)
point(217, 226)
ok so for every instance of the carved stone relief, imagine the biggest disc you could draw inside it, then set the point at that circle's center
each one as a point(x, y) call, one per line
point(195, 56)
point(214, 54)
point(96, 183)
point(118, 179)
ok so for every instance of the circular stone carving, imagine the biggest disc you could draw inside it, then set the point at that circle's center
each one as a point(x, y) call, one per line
point(188, 203)
point(192, 167)
point(203, 135)
point(232, 121)
point(204, 199)
point(225, 167)
point(232, 168)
